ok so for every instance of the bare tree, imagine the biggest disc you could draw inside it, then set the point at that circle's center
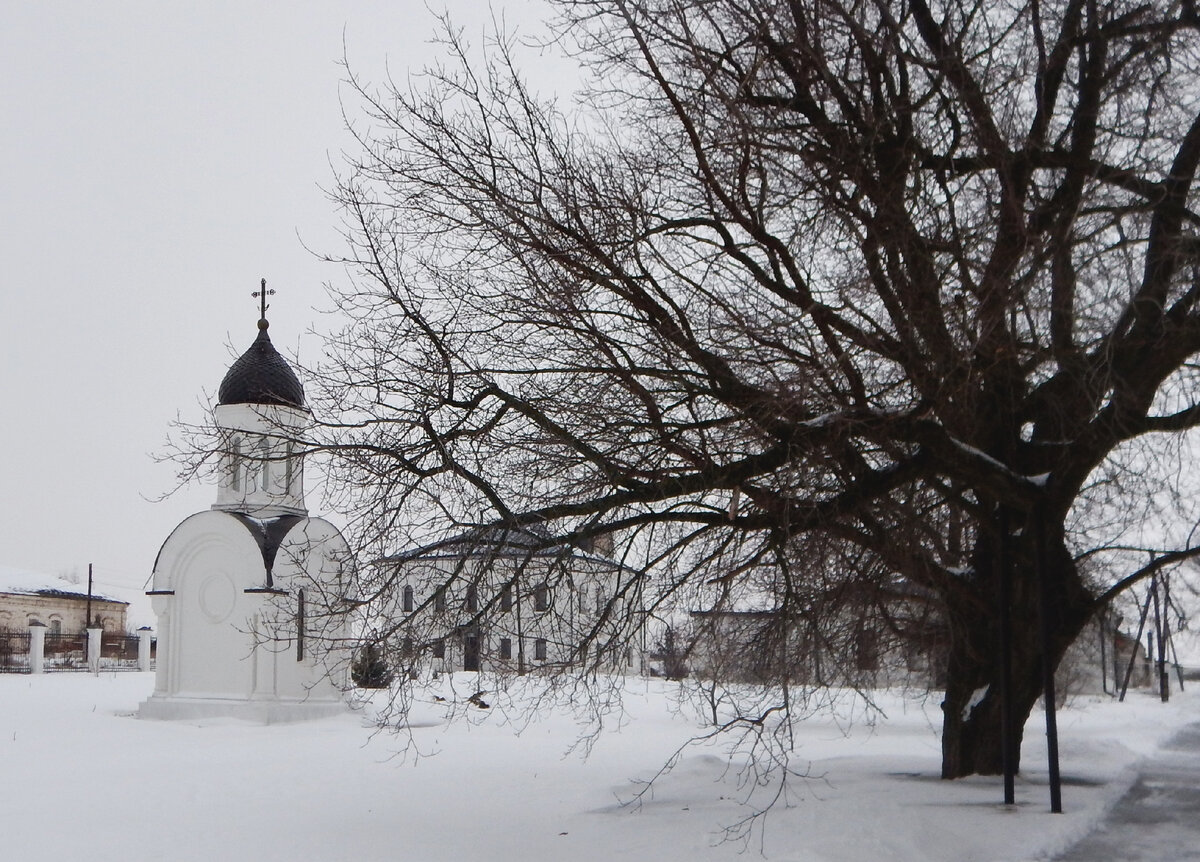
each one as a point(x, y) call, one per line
point(858, 275)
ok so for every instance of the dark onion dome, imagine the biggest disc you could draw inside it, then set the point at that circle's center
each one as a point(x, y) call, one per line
point(261, 376)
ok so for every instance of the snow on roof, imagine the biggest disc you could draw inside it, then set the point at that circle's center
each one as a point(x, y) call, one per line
point(25, 582)
point(528, 541)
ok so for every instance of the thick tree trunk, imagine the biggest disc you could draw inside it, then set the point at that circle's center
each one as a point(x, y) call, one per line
point(973, 720)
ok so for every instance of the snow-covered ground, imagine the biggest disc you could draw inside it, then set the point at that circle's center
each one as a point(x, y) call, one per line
point(85, 779)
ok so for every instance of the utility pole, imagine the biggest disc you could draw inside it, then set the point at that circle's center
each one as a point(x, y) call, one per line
point(87, 622)
point(1160, 627)
point(1137, 646)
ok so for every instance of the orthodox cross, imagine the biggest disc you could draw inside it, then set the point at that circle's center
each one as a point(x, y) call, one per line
point(263, 294)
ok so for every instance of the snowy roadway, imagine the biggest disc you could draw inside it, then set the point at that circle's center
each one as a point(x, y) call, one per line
point(1159, 818)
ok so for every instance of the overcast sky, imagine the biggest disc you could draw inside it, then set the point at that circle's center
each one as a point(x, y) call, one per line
point(158, 160)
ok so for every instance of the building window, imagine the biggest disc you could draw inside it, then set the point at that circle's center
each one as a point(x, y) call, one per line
point(439, 649)
point(55, 626)
point(409, 600)
point(287, 467)
point(506, 598)
point(541, 597)
point(539, 649)
point(505, 647)
point(406, 647)
point(439, 600)
point(472, 599)
point(264, 457)
point(235, 460)
point(601, 600)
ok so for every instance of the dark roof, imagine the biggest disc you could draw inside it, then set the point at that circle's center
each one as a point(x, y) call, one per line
point(533, 541)
point(526, 542)
point(64, 594)
point(269, 535)
point(764, 614)
point(261, 376)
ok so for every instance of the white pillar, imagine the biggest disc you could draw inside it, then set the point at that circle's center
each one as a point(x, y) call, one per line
point(93, 651)
point(37, 647)
point(166, 673)
point(144, 635)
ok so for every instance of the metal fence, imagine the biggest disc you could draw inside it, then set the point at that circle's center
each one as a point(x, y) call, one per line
point(65, 652)
point(120, 652)
point(14, 651)
point(68, 652)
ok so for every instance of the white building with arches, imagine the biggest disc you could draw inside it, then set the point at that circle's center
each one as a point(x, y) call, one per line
point(244, 592)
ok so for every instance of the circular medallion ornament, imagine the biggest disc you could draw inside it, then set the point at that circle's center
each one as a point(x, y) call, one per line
point(218, 595)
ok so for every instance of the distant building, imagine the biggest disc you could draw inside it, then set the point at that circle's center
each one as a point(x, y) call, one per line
point(892, 635)
point(58, 604)
point(514, 601)
point(1101, 658)
point(899, 640)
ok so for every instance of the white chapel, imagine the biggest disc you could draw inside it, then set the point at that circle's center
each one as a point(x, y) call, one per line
point(243, 591)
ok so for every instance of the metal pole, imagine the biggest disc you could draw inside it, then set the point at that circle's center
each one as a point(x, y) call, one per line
point(1043, 571)
point(1137, 647)
point(300, 626)
point(520, 627)
point(1167, 627)
point(1006, 728)
point(1164, 681)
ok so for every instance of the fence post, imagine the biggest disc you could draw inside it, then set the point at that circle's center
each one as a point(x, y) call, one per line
point(37, 647)
point(93, 651)
point(144, 634)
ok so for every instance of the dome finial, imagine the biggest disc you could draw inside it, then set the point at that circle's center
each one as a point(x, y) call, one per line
point(262, 294)
point(261, 375)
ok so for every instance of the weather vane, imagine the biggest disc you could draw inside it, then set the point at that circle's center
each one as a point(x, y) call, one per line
point(263, 294)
